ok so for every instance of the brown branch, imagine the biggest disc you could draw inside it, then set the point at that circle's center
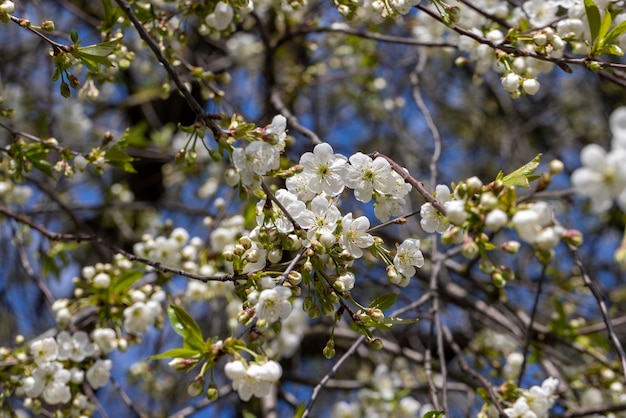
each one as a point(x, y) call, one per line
point(413, 182)
point(208, 119)
point(78, 238)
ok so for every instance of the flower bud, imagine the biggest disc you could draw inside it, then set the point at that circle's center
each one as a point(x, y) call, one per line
point(376, 343)
point(212, 393)
point(470, 248)
point(182, 364)
point(511, 247)
point(572, 237)
point(196, 387)
point(556, 167)
point(329, 350)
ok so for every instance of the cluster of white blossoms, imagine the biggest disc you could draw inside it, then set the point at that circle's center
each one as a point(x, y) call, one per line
point(381, 397)
point(536, 226)
point(68, 360)
point(535, 402)
point(145, 309)
point(602, 178)
point(14, 194)
point(254, 378)
point(550, 27)
point(176, 249)
point(260, 157)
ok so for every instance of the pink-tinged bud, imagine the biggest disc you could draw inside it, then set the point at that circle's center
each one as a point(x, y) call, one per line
point(511, 247)
point(573, 237)
point(182, 364)
point(469, 249)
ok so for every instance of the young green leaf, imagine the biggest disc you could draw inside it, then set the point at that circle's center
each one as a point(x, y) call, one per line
point(399, 321)
point(177, 352)
point(604, 27)
point(385, 301)
point(593, 17)
point(124, 282)
point(522, 175)
point(74, 35)
point(616, 32)
point(186, 327)
point(435, 414)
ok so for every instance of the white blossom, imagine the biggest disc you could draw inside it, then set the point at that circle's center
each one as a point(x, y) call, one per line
point(141, 315)
point(365, 176)
point(321, 219)
point(106, 338)
point(274, 304)
point(327, 170)
point(75, 347)
point(99, 373)
point(221, 17)
point(44, 350)
point(408, 256)
point(602, 177)
point(354, 235)
point(255, 380)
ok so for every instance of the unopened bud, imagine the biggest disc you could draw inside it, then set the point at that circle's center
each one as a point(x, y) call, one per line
point(376, 314)
point(182, 364)
point(246, 242)
point(329, 350)
point(511, 247)
point(470, 248)
point(376, 343)
point(196, 387)
point(212, 393)
point(47, 25)
point(556, 167)
point(572, 237)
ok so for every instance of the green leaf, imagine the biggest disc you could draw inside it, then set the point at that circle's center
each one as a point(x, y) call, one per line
point(383, 302)
point(435, 414)
point(399, 321)
point(177, 353)
point(593, 17)
point(74, 35)
point(604, 27)
point(248, 414)
point(186, 327)
point(118, 158)
point(93, 55)
point(616, 32)
point(299, 410)
point(124, 282)
point(103, 49)
point(522, 175)
point(611, 49)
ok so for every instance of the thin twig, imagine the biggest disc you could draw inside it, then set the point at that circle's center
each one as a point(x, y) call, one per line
point(530, 324)
point(125, 398)
point(331, 372)
point(413, 182)
point(466, 368)
point(208, 119)
point(589, 282)
point(53, 236)
point(293, 121)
